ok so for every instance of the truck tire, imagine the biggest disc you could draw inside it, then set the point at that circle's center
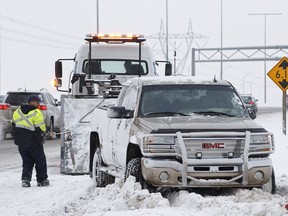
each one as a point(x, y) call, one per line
point(270, 186)
point(102, 179)
point(50, 130)
point(133, 168)
point(58, 134)
point(2, 135)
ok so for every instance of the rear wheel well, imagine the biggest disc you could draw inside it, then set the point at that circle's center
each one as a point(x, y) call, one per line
point(94, 144)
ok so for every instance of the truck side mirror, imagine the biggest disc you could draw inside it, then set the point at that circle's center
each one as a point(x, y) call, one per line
point(168, 69)
point(119, 112)
point(58, 69)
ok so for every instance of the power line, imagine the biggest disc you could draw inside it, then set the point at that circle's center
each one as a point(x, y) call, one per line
point(35, 36)
point(37, 44)
point(39, 28)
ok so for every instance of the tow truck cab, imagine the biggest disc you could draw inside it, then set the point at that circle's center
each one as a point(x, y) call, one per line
point(101, 65)
point(120, 57)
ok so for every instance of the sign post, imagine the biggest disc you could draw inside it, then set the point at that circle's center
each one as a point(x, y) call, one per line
point(279, 74)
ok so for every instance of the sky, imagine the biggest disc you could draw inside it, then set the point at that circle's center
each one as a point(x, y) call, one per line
point(34, 34)
point(77, 195)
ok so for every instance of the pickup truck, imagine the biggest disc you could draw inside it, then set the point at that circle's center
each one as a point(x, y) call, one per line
point(180, 133)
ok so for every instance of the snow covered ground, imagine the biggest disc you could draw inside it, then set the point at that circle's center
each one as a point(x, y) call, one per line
point(76, 195)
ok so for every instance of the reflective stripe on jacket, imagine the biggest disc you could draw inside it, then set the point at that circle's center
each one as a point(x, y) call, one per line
point(30, 120)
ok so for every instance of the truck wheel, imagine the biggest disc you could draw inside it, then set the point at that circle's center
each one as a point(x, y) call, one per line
point(270, 186)
point(12, 134)
point(50, 130)
point(133, 168)
point(102, 179)
point(2, 135)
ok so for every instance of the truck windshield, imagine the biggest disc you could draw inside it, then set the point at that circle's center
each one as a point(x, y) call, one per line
point(170, 100)
point(116, 66)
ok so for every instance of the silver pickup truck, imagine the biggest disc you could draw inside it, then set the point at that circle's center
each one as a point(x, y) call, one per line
point(49, 107)
point(180, 132)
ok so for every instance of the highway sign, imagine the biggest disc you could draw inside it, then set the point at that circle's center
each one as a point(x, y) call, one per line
point(279, 74)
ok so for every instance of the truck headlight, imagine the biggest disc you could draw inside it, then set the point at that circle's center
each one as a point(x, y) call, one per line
point(158, 144)
point(260, 139)
point(261, 143)
point(159, 140)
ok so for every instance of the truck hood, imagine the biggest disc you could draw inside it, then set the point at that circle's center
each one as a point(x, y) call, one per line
point(199, 123)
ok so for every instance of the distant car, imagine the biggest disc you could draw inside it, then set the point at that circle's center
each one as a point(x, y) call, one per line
point(1, 98)
point(49, 107)
point(250, 102)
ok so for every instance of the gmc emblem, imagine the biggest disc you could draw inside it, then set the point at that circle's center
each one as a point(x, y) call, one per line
point(213, 145)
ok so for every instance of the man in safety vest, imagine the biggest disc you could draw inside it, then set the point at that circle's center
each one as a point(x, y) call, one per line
point(29, 125)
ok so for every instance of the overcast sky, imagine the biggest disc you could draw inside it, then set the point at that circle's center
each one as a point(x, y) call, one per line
point(35, 33)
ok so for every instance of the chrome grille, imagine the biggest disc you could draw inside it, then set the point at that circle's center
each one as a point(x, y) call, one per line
point(212, 147)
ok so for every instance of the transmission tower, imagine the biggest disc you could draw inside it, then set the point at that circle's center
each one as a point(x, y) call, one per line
point(183, 54)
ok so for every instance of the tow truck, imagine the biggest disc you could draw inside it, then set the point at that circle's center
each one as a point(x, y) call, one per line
point(100, 66)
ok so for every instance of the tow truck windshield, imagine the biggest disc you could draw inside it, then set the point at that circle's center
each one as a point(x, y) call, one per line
point(116, 66)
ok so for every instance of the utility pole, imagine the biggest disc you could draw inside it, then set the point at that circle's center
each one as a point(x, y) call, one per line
point(221, 43)
point(167, 56)
point(97, 16)
point(0, 50)
point(265, 17)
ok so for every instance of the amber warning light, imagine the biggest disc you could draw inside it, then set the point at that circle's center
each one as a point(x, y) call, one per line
point(115, 38)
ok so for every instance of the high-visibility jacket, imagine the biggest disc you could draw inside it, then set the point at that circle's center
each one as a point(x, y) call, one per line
point(29, 125)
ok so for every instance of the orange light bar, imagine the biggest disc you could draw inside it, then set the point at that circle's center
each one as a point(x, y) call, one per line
point(115, 36)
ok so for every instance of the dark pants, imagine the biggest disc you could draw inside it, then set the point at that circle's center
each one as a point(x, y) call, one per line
point(33, 156)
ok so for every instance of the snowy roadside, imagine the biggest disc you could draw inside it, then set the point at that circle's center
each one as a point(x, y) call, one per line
point(76, 195)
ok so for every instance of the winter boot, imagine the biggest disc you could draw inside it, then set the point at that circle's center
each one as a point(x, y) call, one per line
point(26, 183)
point(43, 183)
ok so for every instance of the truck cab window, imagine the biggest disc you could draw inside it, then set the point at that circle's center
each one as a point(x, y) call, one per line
point(115, 66)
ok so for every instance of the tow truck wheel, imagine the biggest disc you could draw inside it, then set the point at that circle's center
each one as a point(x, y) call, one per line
point(270, 186)
point(58, 134)
point(133, 168)
point(102, 179)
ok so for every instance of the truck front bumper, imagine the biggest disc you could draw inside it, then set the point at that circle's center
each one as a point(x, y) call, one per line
point(228, 173)
point(166, 167)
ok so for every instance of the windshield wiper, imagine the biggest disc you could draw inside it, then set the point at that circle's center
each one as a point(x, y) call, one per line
point(165, 114)
point(214, 113)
